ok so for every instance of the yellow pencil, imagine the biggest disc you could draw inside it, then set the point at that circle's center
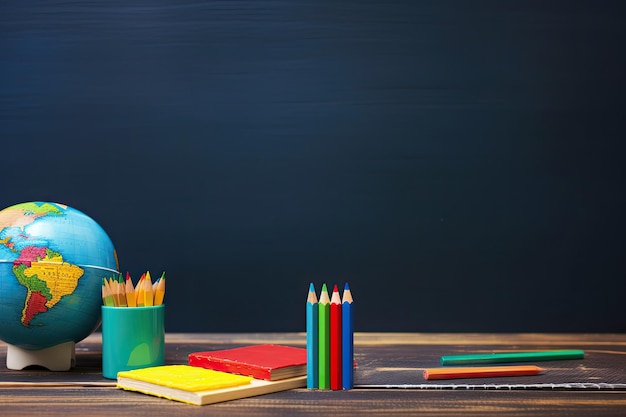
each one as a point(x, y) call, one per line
point(148, 294)
point(160, 291)
point(139, 291)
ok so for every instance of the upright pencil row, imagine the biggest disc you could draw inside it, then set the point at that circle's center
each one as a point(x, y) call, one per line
point(330, 339)
point(117, 292)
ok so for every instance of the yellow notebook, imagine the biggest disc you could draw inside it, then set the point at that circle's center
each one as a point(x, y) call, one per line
point(199, 386)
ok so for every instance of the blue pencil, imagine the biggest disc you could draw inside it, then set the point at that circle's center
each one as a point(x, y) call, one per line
point(312, 331)
point(347, 337)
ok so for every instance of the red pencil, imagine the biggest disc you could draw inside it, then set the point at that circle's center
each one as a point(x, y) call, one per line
point(335, 341)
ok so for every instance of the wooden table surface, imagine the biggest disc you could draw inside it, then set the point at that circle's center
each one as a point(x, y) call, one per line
point(83, 392)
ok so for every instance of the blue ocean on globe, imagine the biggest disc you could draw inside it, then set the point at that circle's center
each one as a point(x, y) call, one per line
point(53, 259)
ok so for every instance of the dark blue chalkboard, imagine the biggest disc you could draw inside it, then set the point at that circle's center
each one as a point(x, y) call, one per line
point(460, 163)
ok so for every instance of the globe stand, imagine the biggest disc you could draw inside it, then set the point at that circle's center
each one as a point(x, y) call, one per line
point(60, 357)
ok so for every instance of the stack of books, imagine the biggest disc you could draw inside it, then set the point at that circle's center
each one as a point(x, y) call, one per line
point(222, 375)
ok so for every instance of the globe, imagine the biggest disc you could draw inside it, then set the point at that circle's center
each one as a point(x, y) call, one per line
point(53, 259)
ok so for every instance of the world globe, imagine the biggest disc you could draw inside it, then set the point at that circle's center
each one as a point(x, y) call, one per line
point(53, 259)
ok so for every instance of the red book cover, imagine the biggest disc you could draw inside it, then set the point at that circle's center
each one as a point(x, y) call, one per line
point(269, 362)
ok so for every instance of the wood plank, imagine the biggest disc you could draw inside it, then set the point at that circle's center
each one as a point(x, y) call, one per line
point(84, 392)
point(103, 401)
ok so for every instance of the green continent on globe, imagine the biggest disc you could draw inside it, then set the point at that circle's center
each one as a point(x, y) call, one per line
point(24, 214)
point(46, 278)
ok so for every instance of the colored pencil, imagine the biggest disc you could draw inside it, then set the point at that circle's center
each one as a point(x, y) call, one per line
point(324, 339)
point(481, 372)
point(159, 292)
point(148, 293)
point(506, 357)
point(335, 341)
point(107, 298)
point(130, 292)
point(121, 289)
point(139, 291)
point(347, 329)
point(312, 337)
point(110, 284)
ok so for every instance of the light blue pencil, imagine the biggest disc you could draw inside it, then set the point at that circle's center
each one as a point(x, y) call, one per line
point(347, 339)
point(312, 347)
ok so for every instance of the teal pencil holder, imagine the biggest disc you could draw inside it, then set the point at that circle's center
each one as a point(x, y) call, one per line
point(132, 338)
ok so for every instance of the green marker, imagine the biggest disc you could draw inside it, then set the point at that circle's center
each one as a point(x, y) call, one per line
point(324, 339)
point(548, 355)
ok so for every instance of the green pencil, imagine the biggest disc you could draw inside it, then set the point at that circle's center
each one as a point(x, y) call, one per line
point(505, 357)
point(324, 339)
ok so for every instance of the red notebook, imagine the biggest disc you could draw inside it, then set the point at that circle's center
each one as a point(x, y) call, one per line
point(269, 362)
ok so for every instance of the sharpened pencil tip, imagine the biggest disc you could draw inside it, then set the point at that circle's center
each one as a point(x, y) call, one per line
point(335, 289)
point(324, 289)
point(311, 288)
point(345, 286)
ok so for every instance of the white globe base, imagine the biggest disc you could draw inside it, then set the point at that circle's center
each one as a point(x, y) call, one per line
point(61, 357)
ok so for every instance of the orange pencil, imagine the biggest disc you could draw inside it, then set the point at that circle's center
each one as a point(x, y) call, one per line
point(336, 381)
point(139, 291)
point(481, 372)
point(130, 292)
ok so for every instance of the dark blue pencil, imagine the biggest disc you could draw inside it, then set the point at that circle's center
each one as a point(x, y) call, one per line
point(347, 327)
point(312, 347)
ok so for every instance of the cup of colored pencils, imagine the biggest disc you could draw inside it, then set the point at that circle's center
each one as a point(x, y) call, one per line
point(120, 292)
point(133, 324)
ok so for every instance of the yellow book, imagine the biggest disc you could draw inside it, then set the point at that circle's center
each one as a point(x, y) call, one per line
point(199, 386)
